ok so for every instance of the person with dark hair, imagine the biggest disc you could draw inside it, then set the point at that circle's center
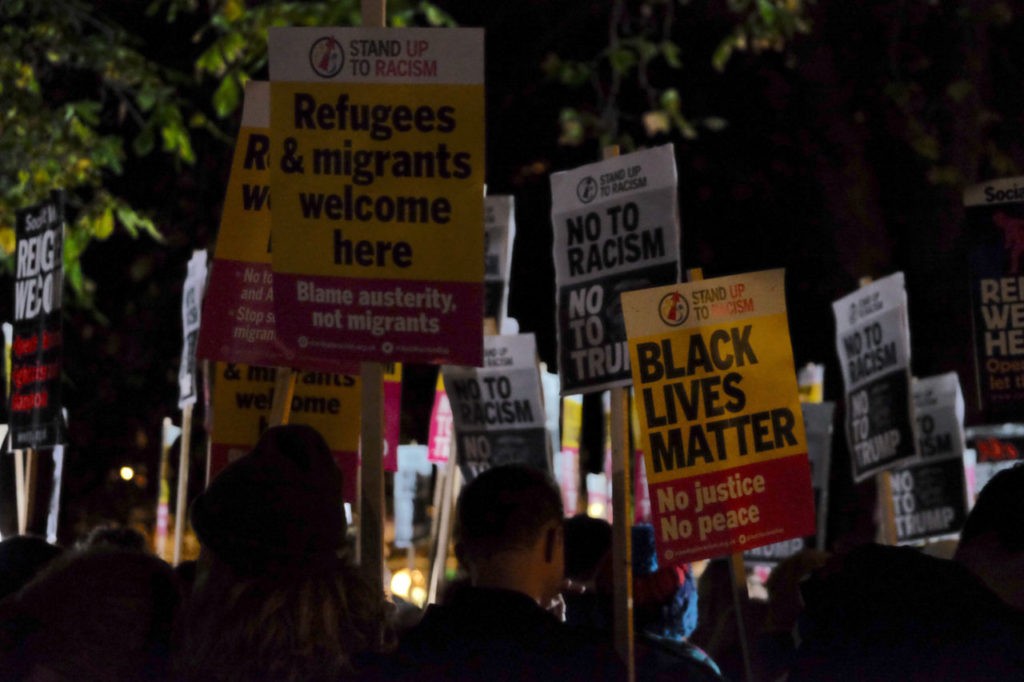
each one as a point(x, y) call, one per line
point(992, 540)
point(92, 615)
point(895, 613)
point(664, 601)
point(665, 615)
point(276, 594)
point(21, 558)
point(509, 540)
point(124, 537)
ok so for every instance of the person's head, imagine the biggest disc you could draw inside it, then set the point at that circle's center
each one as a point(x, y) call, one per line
point(303, 623)
point(999, 511)
point(508, 531)
point(992, 540)
point(588, 546)
point(100, 613)
point(123, 537)
point(276, 595)
point(21, 557)
point(279, 505)
point(664, 597)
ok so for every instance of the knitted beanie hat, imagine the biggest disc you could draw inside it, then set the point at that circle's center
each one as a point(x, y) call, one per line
point(665, 597)
point(279, 505)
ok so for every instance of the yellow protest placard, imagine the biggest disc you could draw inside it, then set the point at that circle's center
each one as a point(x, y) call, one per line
point(378, 192)
point(242, 399)
point(719, 414)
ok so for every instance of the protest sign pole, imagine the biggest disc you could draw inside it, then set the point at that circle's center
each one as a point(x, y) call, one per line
point(737, 569)
point(19, 492)
point(622, 524)
point(181, 508)
point(31, 476)
point(887, 511)
point(168, 433)
point(371, 508)
point(444, 513)
point(622, 572)
point(440, 481)
point(284, 391)
point(371, 493)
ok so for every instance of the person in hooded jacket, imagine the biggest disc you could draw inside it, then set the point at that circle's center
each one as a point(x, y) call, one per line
point(500, 624)
point(895, 613)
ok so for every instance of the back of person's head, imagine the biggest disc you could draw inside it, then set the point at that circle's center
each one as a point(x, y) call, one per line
point(279, 505)
point(21, 558)
point(92, 614)
point(122, 537)
point(992, 541)
point(588, 540)
point(503, 509)
point(318, 622)
point(999, 510)
point(664, 597)
point(276, 595)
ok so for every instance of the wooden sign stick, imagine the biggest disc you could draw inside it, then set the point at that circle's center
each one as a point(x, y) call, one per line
point(19, 492)
point(622, 520)
point(737, 569)
point(31, 483)
point(371, 507)
point(184, 457)
point(284, 391)
point(444, 512)
point(371, 504)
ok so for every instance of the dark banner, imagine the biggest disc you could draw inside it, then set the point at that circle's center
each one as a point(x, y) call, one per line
point(478, 452)
point(36, 346)
point(880, 430)
point(594, 348)
point(994, 213)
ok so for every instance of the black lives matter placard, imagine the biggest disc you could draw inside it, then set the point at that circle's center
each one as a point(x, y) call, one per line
point(994, 212)
point(497, 409)
point(873, 342)
point(616, 229)
point(37, 340)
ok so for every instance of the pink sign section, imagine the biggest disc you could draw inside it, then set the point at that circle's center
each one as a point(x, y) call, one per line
point(730, 510)
point(392, 423)
point(367, 320)
point(641, 494)
point(239, 322)
point(440, 437)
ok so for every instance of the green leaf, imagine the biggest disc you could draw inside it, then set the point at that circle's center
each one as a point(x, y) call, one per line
point(435, 17)
point(622, 60)
point(103, 226)
point(671, 52)
point(227, 97)
point(670, 101)
point(722, 53)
